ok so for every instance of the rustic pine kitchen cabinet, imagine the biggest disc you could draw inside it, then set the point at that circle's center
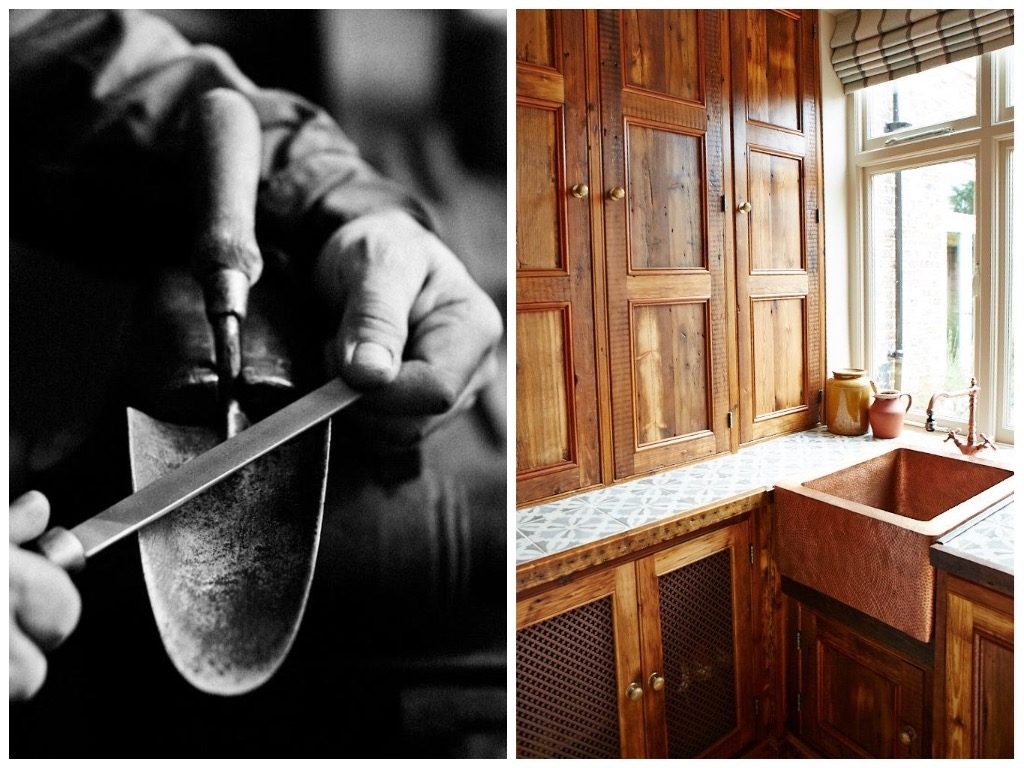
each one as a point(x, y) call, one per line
point(651, 657)
point(974, 667)
point(668, 259)
point(852, 694)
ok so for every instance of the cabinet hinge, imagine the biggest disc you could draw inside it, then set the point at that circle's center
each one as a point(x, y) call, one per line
point(798, 702)
point(798, 641)
point(728, 420)
point(751, 554)
point(817, 215)
point(723, 203)
point(757, 707)
point(814, 30)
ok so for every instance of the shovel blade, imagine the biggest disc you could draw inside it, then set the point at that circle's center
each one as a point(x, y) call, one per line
point(229, 572)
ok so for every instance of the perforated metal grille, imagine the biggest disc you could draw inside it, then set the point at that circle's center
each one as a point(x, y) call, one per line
point(566, 694)
point(696, 635)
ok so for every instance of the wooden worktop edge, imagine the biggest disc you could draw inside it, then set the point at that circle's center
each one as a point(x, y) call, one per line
point(562, 565)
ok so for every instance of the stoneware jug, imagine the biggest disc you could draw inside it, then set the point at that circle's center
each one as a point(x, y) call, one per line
point(887, 412)
point(847, 395)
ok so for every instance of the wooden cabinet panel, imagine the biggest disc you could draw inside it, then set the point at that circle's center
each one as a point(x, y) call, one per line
point(777, 336)
point(661, 52)
point(974, 656)
point(670, 348)
point(666, 201)
point(776, 225)
point(538, 179)
point(556, 346)
point(664, 242)
point(778, 269)
point(535, 37)
point(773, 69)
point(859, 699)
point(543, 402)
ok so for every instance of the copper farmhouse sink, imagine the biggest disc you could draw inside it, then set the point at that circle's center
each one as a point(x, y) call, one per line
point(861, 535)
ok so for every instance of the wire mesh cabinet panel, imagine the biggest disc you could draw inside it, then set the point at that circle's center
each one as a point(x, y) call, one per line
point(577, 655)
point(695, 619)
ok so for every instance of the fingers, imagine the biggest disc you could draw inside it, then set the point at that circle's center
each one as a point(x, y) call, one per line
point(371, 263)
point(388, 426)
point(459, 334)
point(415, 331)
point(28, 516)
point(43, 601)
point(27, 668)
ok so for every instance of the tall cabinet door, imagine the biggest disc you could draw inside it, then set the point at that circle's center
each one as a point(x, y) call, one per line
point(696, 635)
point(661, 112)
point(577, 664)
point(774, 76)
point(556, 401)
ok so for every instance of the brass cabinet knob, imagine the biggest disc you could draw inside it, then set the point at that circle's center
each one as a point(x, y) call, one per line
point(580, 190)
point(656, 681)
point(744, 207)
point(634, 691)
point(616, 193)
point(907, 735)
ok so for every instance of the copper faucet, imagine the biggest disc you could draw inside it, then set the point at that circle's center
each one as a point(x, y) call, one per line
point(974, 441)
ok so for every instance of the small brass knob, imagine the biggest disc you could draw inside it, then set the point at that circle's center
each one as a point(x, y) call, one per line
point(907, 735)
point(580, 190)
point(656, 681)
point(744, 207)
point(616, 193)
point(634, 691)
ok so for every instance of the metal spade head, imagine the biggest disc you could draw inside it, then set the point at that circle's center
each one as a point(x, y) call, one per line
point(229, 572)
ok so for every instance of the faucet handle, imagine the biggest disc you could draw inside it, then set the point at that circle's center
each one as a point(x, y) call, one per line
point(983, 440)
point(952, 435)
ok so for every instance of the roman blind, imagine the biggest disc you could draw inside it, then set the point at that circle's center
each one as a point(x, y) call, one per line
point(872, 46)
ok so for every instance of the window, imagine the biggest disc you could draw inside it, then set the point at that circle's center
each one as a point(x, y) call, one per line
point(936, 182)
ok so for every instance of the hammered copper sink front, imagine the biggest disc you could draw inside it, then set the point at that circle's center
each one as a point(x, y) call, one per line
point(861, 535)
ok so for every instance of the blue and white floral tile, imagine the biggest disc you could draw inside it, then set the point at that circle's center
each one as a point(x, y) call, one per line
point(526, 550)
point(990, 539)
point(561, 529)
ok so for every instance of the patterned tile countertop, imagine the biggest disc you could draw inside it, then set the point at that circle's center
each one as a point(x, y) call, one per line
point(987, 541)
point(588, 517)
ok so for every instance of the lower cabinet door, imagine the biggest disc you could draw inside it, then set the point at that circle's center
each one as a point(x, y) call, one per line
point(695, 629)
point(651, 658)
point(974, 658)
point(858, 698)
point(577, 656)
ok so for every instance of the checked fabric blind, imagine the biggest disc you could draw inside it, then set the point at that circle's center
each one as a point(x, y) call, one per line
point(872, 46)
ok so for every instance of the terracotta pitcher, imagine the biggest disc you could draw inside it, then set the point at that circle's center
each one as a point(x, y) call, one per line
point(887, 412)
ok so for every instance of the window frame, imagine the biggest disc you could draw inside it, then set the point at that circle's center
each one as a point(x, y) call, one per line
point(907, 135)
point(987, 139)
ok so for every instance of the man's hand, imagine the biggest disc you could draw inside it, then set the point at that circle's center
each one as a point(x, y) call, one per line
point(414, 330)
point(44, 603)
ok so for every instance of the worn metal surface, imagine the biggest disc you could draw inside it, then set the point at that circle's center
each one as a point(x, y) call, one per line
point(229, 572)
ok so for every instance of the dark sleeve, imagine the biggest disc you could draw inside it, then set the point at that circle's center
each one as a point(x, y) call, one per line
point(100, 105)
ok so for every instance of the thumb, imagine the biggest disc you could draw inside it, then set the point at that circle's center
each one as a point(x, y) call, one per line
point(375, 325)
point(28, 516)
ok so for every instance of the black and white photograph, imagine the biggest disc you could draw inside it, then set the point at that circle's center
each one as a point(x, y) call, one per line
point(257, 384)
